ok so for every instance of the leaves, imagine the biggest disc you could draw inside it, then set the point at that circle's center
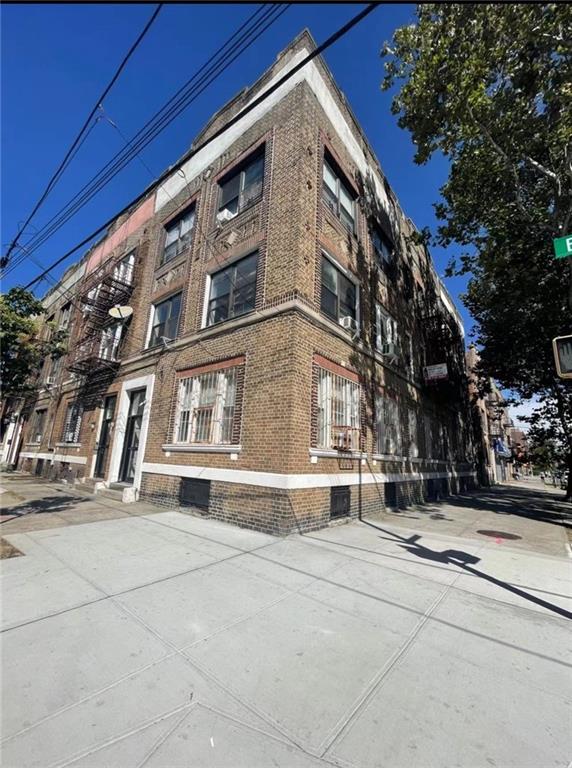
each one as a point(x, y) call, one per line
point(23, 350)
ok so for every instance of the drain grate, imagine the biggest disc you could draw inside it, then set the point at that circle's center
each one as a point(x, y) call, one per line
point(500, 535)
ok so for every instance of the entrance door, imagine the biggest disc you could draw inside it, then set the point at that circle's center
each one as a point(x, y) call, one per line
point(105, 434)
point(132, 435)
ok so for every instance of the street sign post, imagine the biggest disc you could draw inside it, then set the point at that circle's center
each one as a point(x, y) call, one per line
point(563, 246)
point(562, 346)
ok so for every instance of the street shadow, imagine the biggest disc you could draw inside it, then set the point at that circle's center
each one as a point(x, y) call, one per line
point(466, 562)
point(47, 505)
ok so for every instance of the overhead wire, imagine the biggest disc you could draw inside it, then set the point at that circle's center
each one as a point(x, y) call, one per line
point(161, 120)
point(232, 121)
point(62, 166)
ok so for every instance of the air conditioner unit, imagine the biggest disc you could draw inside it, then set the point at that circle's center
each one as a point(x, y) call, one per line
point(225, 215)
point(390, 350)
point(348, 323)
point(342, 438)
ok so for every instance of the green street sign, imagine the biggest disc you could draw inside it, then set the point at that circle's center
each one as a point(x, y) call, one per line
point(563, 247)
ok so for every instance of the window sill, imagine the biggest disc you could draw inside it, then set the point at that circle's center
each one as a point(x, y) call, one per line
point(388, 457)
point(333, 453)
point(202, 448)
point(223, 221)
point(33, 445)
point(68, 445)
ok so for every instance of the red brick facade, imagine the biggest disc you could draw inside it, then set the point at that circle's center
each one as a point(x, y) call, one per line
point(273, 475)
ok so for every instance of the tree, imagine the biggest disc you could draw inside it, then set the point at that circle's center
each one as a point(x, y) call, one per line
point(23, 350)
point(490, 87)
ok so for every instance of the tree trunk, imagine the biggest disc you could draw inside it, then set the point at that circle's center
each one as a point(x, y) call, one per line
point(568, 496)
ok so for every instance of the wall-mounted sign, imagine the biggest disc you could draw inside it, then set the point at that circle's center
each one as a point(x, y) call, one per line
point(562, 346)
point(436, 372)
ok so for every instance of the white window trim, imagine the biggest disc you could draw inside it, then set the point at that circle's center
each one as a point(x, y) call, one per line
point(217, 410)
point(385, 319)
point(353, 279)
point(327, 450)
point(201, 447)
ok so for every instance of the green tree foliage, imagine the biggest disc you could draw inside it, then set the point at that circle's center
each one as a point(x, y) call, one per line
point(25, 342)
point(490, 87)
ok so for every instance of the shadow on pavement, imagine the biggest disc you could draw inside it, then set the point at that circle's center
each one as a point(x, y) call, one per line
point(465, 562)
point(47, 505)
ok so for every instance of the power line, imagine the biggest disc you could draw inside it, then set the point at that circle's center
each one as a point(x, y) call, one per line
point(147, 134)
point(4, 261)
point(255, 103)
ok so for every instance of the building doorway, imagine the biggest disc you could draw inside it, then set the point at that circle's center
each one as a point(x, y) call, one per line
point(105, 434)
point(132, 435)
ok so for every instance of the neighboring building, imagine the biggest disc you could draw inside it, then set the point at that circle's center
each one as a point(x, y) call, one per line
point(271, 373)
point(493, 428)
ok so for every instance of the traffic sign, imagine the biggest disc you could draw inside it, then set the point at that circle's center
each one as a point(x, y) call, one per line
point(563, 247)
point(562, 346)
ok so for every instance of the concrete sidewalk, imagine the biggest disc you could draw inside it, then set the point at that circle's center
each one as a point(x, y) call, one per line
point(171, 640)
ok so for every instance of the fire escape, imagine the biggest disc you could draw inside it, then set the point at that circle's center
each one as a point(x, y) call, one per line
point(96, 355)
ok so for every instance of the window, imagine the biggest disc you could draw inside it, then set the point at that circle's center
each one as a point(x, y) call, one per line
point(412, 433)
point(385, 328)
point(338, 411)
point(428, 428)
point(195, 493)
point(337, 196)
point(233, 290)
point(65, 316)
point(165, 321)
point(409, 360)
point(340, 501)
point(53, 368)
point(339, 294)
point(72, 424)
point(241, 188)
point(383, 248)
point(38, 424)
point(179, 235)
point(110, 340)
point(387, 426)
point(123, 271)
point(205, 408)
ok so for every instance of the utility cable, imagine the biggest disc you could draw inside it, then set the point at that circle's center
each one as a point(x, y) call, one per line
point(169, 112)
point(54, 179)
point(255, 103)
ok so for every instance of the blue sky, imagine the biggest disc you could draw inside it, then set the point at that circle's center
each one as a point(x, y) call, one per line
point(58, 58)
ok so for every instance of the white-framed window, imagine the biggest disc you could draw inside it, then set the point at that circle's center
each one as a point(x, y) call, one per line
point(337, 195)
point(338, 411)
point(38, 425)
point(72, 423)
point(65, 316)
point(110, 341)
point(383, 248)
point(205, 408)
point(385, 328)
point(409, 360)
point(428, 428)
point(179, 234)
point(165, 319)
point(123, 271)
point(388, 432)
point(233, 290)
point(339, 294)
point(412, 432)
point(241, 187)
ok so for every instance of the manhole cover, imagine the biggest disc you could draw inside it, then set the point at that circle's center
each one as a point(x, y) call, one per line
point(500, 535)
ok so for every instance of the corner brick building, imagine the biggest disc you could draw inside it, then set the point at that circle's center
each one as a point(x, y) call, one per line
point(271, 373)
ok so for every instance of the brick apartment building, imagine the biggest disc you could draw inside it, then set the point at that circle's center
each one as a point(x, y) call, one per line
point(271, 373)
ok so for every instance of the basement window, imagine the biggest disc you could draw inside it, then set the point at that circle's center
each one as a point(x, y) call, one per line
point(339, 501)
point(195, 493)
